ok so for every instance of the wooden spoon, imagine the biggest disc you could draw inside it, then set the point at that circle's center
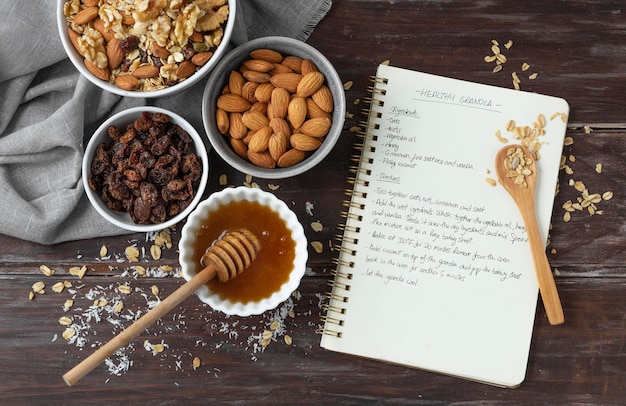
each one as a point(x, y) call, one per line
point(521, 187)
point(227, 257)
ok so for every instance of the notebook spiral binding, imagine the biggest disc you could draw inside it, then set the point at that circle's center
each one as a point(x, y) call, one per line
point(346, 242)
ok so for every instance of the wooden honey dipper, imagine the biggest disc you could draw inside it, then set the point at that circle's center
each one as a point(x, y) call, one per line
point(227, 257)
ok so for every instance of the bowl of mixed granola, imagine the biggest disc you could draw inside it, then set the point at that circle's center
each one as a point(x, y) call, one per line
point(145, 169)
point(145, 48)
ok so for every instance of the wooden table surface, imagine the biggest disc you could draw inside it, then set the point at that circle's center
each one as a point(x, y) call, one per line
point(578, 49)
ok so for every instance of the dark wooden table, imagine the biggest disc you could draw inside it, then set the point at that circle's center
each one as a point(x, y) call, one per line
point(578, 48)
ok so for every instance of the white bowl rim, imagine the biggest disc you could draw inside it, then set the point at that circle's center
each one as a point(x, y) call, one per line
point(77, 61)
point(226, 196)
point(97, 202)
point(311, 161)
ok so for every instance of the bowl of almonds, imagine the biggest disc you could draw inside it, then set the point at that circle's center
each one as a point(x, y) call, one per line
point(145, 48)
point(273, 107)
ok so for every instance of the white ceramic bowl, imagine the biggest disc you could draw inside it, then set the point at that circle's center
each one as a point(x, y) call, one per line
point(191, 265)
point(121, 120)
point(77, 59)
point(232, 61)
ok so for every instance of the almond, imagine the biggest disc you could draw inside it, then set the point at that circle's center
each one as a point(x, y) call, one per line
point(316, 127)
point(304, 142)
point(277, 145)
point(235, 82)
point(267, 55)
point(280, 102)
point(260, 140)
point(264, 92)
point(262, 159)
point(114, 53)
point(258, 65)
point(86, 15)
point(255, 120)
point(259, 106)
point(313, 110)
point(221, 120)
point(159, 51)
point(323, 98)
point(74, 39)
point(128, 19)
point(239, 147)
point(296, 111)
point(293, 62)
point(309, 84)
point(256, 77)
point(146, 71)
point(280, 126)
point(100, 73)
point(280, 68)
point(308, 66)
point(98, 25)
point(196, 37)
point(247, 91)
point(127, 82)
point(185, 69)
point(201, 58)
point(232, 103)
point(288, 81)
point(237, 128)
point(290, 158)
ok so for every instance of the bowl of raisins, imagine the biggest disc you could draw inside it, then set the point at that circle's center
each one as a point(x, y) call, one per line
point(145, 169)
point(145, 48)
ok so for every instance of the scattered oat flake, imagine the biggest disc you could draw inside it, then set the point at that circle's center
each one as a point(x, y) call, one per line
point(533, 76)
point(607, 195)
point(155, 290)
point(553, 251)
point(31, 295)
point(103, 251)
point(509, 44)
point(223, 180)
point(155, 251)
point(58, 287)
point(317, 226)
point(196, 362)
point(158, 348)
point(132, 253)
point(348, 85)
point(69, 333)
point(46, 270)
point(273, 186)
point(317, 246)
point(568, 141)
point(125, 289)
point(599, 168)
point(78, 271)
point(385, 62)
point(525, 67)
point(288, 339)
point(275, 325)
point(491, 181)
point(38, 287)
point(65, 321)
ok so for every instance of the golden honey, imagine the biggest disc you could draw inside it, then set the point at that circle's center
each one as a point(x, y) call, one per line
point(274, 262)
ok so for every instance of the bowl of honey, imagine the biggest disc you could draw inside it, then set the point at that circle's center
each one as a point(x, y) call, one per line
point(280, 263)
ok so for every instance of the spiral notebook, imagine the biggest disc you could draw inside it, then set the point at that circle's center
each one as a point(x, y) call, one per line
point(434, 268)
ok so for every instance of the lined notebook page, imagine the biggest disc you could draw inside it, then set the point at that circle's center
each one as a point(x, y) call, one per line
point(443, 278)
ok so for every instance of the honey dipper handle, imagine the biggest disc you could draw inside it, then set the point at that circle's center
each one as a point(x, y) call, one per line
point(132, 331)
point(547, 286)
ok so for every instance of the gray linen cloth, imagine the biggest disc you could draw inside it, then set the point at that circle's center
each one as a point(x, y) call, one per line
point(48, 111)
